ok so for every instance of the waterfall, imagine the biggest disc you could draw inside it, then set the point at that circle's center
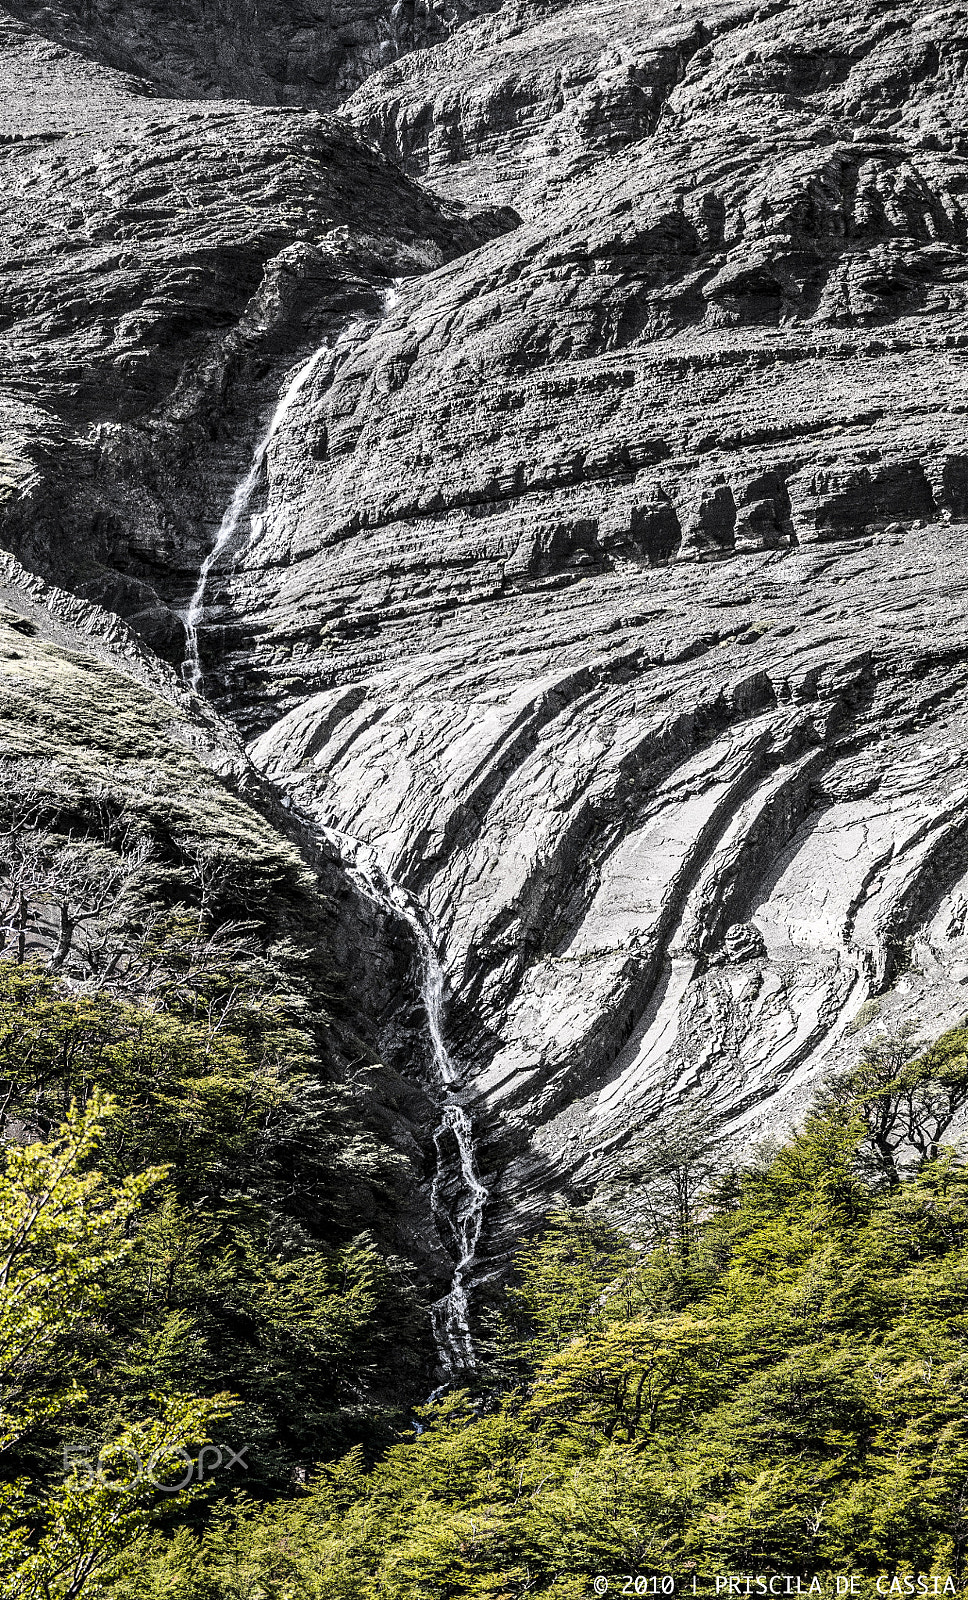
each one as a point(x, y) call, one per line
point(246, 487)
point(450, 1314)
point(234, 512)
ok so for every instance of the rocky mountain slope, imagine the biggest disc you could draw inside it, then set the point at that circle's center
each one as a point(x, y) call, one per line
point(163, 266)
point(275, 54)
point(605, 579)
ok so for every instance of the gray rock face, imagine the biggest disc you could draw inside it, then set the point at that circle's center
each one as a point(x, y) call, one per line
point(608, 581)
point(281, 53)
point(518, 101)
point(677, 845)
point(164, 265)
point(625, 556)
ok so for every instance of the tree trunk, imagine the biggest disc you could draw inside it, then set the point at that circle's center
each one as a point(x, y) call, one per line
point(22, 928)
point(64, 938)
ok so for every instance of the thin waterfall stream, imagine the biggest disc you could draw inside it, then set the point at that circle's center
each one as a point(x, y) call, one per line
point(451, 1314)
point(244, 490)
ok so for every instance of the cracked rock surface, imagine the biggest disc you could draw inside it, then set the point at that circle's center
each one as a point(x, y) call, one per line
point(679, 845)
point(608, 578)
point(275, 53)
point(164, 263)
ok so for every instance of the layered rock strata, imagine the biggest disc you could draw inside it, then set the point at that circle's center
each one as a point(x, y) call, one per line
point(678, 847)
point(164, 265)
point(607, 581)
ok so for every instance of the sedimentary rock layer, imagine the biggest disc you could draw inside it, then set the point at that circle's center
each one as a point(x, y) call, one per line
point(607, 579)
point(678, 846)
point(164, 263)
point(613, 579)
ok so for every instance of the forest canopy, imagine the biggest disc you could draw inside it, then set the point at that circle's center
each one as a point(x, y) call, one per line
point(768, 1376)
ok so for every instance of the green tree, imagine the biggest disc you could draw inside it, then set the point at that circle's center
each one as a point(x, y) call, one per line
point(790, 1397)
point(661, 1185)
point(906, 1099)
point(245, 1270)
point(62, 1227)
point(564, 1278)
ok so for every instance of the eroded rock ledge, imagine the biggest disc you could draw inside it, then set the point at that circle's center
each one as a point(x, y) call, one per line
point(609, 582)
point(274, 54)
point(676, 844)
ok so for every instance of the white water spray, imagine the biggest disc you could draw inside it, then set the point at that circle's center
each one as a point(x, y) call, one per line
point(246, 487)
point(451, 1314)
point(235, 511)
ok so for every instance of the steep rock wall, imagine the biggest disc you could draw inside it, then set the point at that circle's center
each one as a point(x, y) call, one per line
point(165, 264)
point(611, 588)
point(677, 846)
point(607, 582)
point(289, 52)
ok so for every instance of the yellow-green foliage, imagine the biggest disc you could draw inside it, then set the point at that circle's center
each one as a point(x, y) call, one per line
point(787, 1395)
point(181, 1090)
point(62, 1228)
point(240, 1272)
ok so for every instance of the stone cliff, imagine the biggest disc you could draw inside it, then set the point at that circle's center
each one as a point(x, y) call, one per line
point(278, 53)
point(606, 579)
